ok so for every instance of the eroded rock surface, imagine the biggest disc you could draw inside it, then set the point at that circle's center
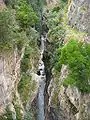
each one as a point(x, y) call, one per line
point(9, 72)
point(79, 14)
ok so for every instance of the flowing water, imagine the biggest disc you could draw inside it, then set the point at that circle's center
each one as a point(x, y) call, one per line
point(41, 72)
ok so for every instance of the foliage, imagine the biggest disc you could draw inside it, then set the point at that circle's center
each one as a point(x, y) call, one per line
point(76, 55)
point(54, 18)
point(5, 25)
point(10, 31)
point(28, 115)
point(57, 62)
point(56, 32)
point(25, 13)
point(25, 86)
point(7, 114)
point(26, 60)
point(17, 109)
point(30, 51)
point(37, 4)
point(10, 2)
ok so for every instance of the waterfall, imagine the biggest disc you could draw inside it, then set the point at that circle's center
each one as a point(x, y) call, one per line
point(41, 73)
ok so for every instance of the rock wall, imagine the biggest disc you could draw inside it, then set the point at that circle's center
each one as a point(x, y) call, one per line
point(76, 105)
point(73, 104)
point(70, 102)
point(79, 14)
point(9, 73)
point(61, 102)
point(51, 2)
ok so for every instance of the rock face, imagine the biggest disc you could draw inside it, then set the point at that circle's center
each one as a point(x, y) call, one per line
point(76, 105)
point(9, 72)
point(51, 2)
point(60, 102)
point(67, 102)
point(79, 14)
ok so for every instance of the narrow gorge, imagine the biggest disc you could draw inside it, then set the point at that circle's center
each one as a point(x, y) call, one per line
point(44, 60)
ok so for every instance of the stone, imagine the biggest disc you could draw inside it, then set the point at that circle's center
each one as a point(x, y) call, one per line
point(79, 14)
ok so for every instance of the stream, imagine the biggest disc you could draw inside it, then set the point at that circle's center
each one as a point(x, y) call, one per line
point(41, 73)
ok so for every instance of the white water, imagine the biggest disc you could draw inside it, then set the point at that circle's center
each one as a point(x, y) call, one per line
point(41, 83)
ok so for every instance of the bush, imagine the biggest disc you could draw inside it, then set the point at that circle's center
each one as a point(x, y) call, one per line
point(18, 113)
point(76, 55)
point(23, 88)
point(7, 115)
point(5, 23)
point(10, 2)
point(25, 63)
point(25, 13)
point(54, 22)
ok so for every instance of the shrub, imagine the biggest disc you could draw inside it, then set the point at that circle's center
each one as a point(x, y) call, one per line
point(5, 23)
point(76, 55)
point(10, 2)
point(54, 22)
point(7, 115)
point(18, 113)
point(25, 13)
point(25, 63)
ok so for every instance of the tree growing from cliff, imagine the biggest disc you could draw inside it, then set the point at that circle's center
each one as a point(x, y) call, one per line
point(76, 55)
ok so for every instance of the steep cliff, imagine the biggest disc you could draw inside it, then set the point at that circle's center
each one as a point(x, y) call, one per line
point(64, 92)
point(18, 44)
point(44, 60)
point(78, 14)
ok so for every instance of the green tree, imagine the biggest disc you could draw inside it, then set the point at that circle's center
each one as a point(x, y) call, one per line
point(76, 56)
point(5, 27)
point(25, 13)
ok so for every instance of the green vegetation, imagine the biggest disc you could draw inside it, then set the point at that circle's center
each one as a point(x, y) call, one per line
point(25, 63)
point(25, 14)
point(76, 55)
point(28, 116)
point(20, 24)
point(26, 86)
point(54, 18)
point(5, 27)
point(17, 109)
point(10, 3)
point(57, 32)
point(23, 88)
point(7, 115)
point(10, 31)
point(16, 24)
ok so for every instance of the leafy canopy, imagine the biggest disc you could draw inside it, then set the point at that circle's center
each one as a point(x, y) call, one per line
point(76, 55)
point(25, 13)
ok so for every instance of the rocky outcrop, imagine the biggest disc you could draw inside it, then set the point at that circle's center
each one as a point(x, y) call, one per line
point(78, 14)
point(60, 102)
point(51, 2)
point(68, 99)
point(76, 105)
point(9, 73)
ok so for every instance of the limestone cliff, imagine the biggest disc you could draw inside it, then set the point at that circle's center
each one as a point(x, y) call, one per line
point(74, 103)
point(78, 14)
point(41, 46)
point(18, 81)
